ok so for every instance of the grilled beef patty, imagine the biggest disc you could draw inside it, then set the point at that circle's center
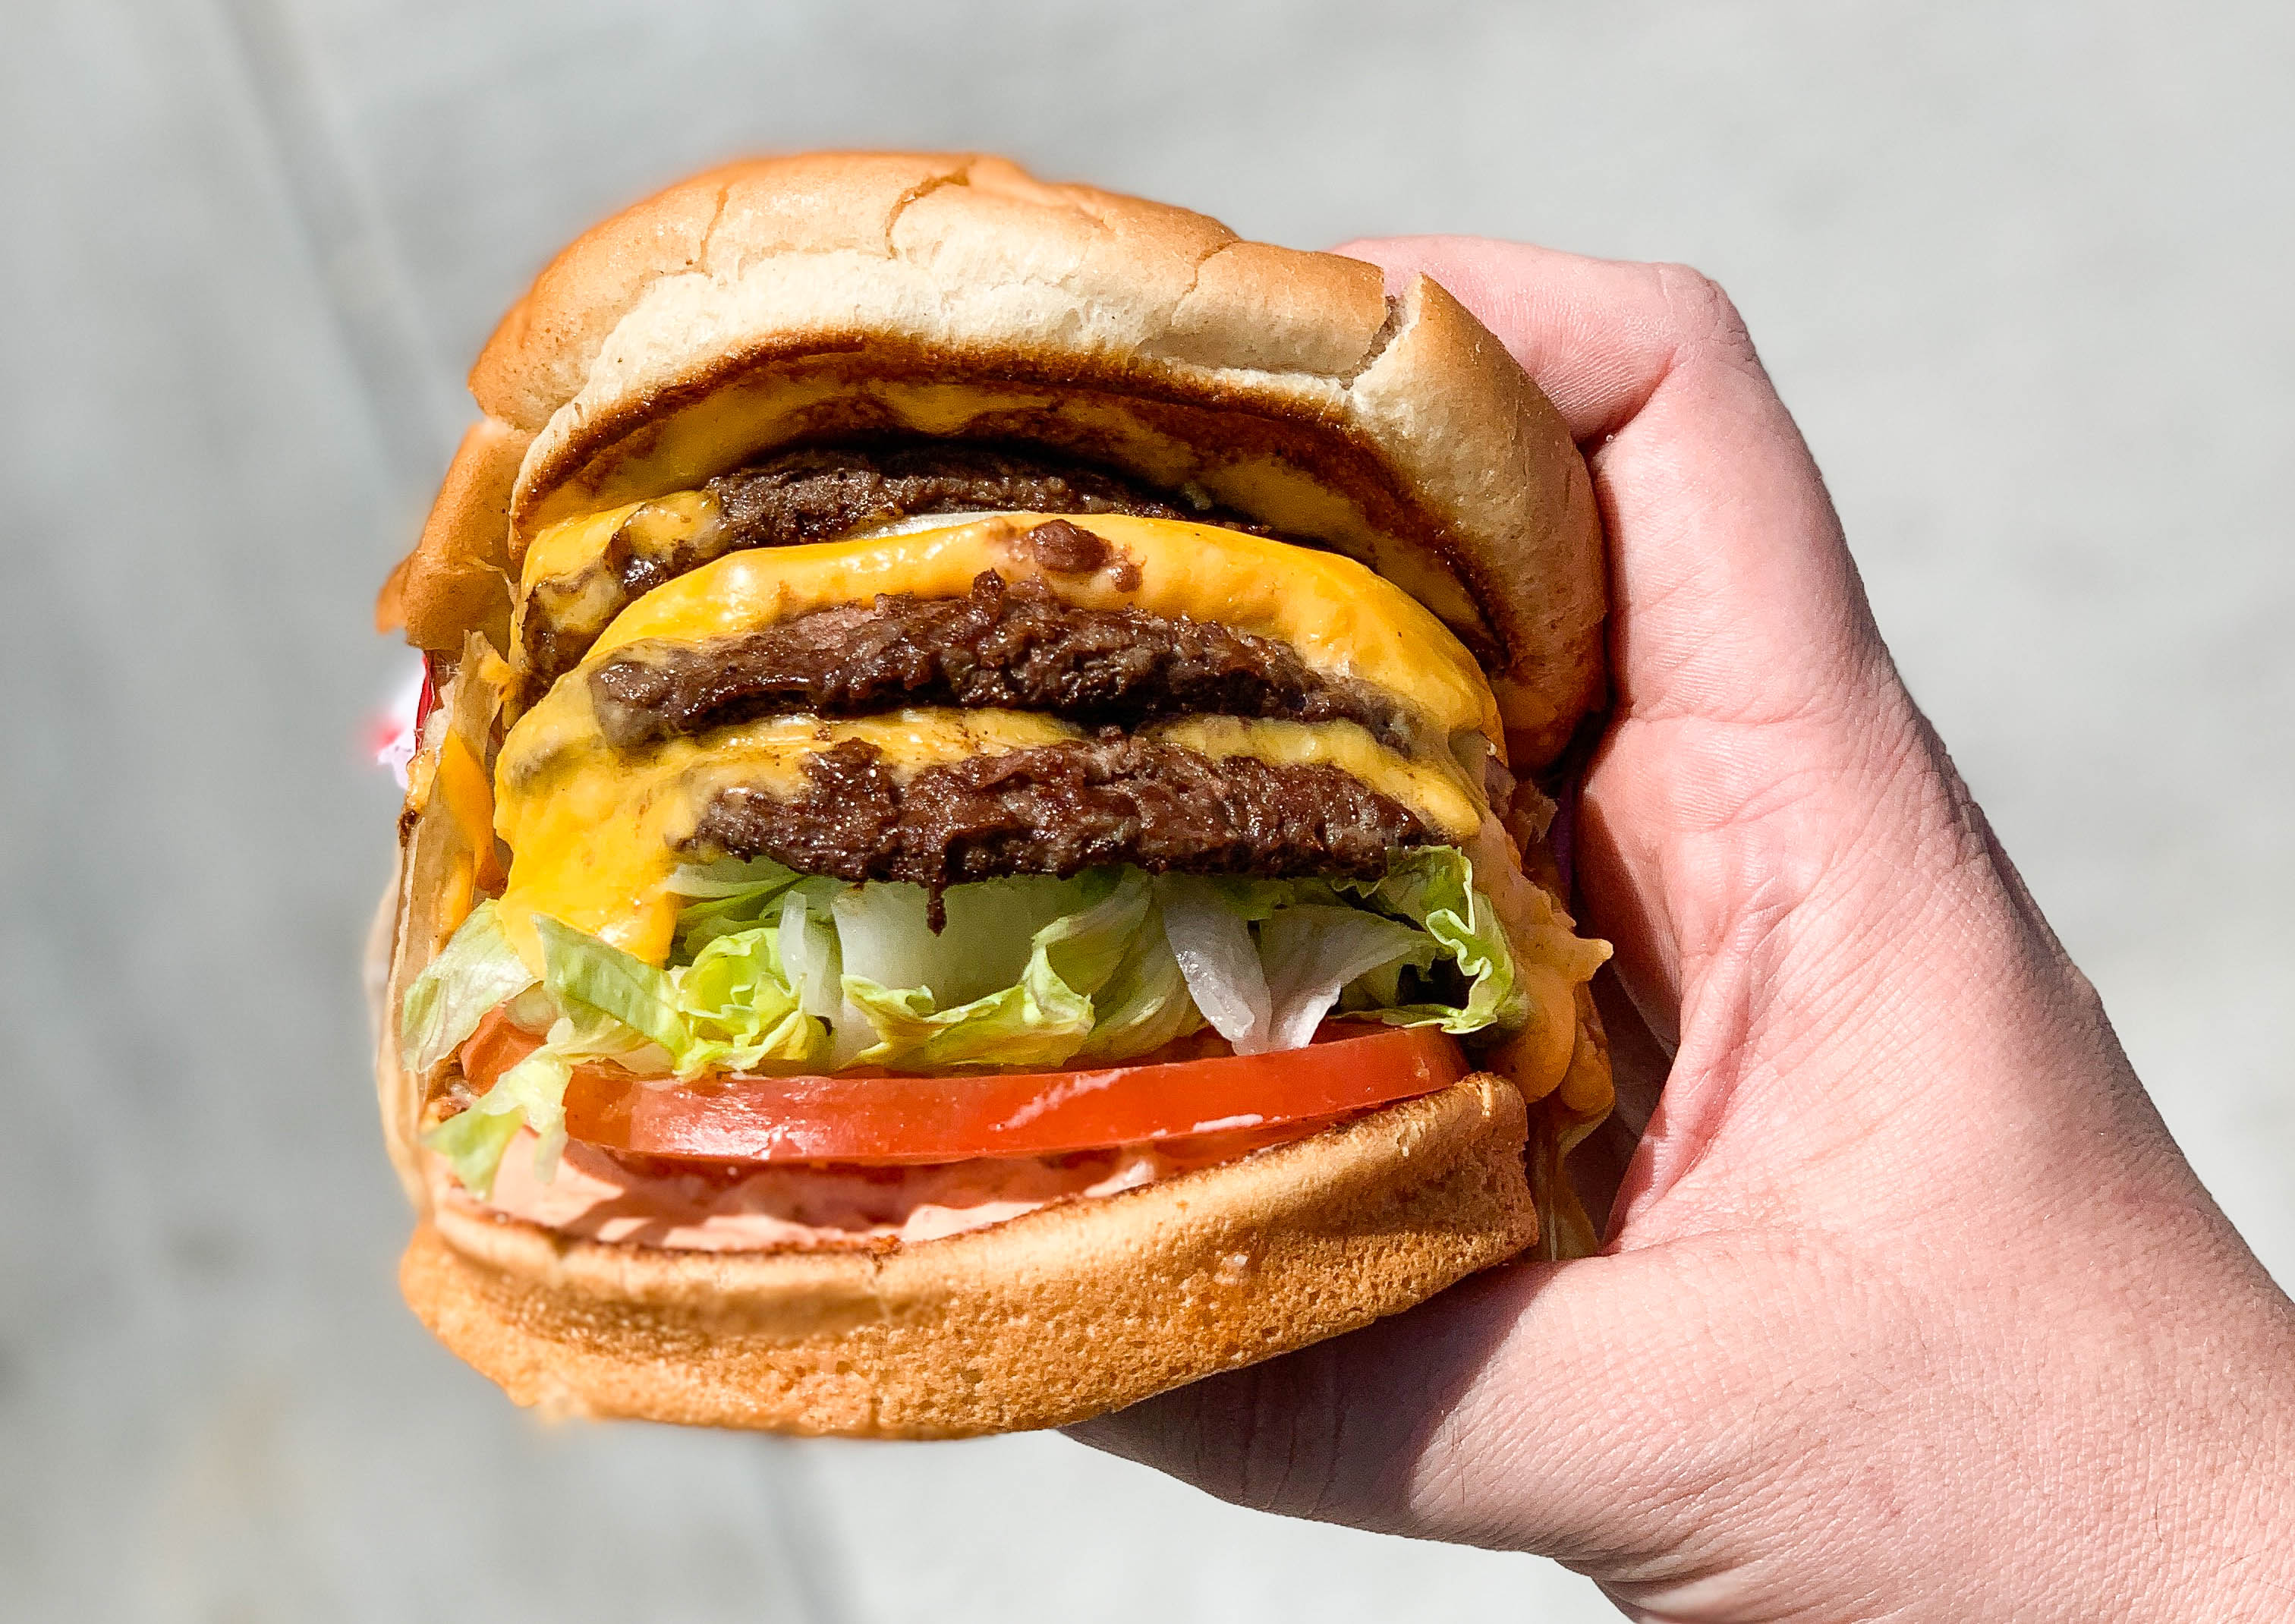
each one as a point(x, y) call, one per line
point(1010, 646)
point(820, 493)
point(1058, 809)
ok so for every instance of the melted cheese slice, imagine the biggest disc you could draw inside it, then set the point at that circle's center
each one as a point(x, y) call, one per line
point(1345, 621)
point(569, 549)
point(594, 832)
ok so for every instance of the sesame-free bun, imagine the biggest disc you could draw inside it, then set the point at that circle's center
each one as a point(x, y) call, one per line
point(1065, 1313)
point(457, 579)
point(809, 297)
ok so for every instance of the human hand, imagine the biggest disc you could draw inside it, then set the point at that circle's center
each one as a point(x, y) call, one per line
point(1910, 1306)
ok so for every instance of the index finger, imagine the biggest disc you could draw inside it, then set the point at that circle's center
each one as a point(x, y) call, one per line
point(1598, 335)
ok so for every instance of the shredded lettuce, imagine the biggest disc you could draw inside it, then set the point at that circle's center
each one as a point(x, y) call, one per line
point(1311, 953)
point(1316, 944)
point(811, 959)
point(728, 1010)
point(1433, 888)
point(477, 970)
point(780, 971)
point(733, 895)
point(1143, 1004)
point(1211, 937)
point(531, 1094)
point(1043, 1018)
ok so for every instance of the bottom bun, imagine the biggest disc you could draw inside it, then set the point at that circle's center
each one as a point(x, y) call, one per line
point(1046, 1319)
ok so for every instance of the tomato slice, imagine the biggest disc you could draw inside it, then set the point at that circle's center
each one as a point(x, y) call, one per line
point(854, 1117)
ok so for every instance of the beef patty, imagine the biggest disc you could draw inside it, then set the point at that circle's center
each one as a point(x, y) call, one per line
point(1011, 647)
point(1058, 809)
point(820, 493)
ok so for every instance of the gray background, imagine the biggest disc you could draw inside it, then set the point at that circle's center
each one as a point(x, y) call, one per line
point(2020, 270)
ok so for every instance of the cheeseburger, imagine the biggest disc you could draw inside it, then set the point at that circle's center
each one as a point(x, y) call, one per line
point(976, 847)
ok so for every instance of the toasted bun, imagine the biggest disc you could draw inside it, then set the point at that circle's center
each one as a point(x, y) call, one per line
point(1067, 1312)
point(807, 298)
point(457, 579)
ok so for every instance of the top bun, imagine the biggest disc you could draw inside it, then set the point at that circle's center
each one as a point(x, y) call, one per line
point(809, 297)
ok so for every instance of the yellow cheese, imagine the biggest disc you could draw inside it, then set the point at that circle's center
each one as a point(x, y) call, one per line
point(462, 781)
point(593, 832)
point(569, 549)
point(573, 574)
point(1437, 791)
point(1345, 621)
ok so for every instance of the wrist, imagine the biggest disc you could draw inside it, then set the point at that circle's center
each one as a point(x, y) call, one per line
point(2237, 1533)
point(2187, 1403)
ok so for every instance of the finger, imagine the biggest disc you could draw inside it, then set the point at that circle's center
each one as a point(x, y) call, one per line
point(1598, 334)
point(1730, 569)
point(1639, 1062)
point(1763, 760)
point(1530, 1408)
point(1336, 1432)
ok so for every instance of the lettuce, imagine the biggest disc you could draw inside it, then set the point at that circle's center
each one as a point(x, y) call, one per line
point(1210, 933)
point(531, 1094)
point(1316, 944)
point(811, 962)
point(728, 1010)
point(734, 896)
point(1312, 952)
point(1433, 888)
point(776, 970)
point(477, 970)
point(739, 1009)
point(1145, 1003)
point(1043, 1018)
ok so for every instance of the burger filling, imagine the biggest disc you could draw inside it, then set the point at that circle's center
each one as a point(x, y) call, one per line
point(1004, 646)
point(963, 866)
point(749, 1206)
point(814, 495)
point(1061, 809)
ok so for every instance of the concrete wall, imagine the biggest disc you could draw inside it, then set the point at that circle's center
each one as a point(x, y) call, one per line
point(2019, 269)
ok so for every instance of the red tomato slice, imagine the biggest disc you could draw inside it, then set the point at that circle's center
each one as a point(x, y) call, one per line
point(855, 1117)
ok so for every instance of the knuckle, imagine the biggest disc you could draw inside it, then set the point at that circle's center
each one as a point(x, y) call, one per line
point(1703, 314)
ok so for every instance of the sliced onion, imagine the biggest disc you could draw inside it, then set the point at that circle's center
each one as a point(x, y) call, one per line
point(1310, 953)
point(1213, 946)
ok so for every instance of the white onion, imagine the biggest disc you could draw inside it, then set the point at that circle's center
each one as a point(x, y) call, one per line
point(1310, 953)
point(809, 956)
point(916, 522)
point(1214, 950)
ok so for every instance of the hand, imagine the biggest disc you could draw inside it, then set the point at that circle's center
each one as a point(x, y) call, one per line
point(1910, 1306)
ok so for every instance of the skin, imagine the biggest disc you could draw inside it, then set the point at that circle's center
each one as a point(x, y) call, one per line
point(1911, 1309)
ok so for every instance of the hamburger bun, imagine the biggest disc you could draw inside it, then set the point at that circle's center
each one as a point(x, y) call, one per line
point(1062, 1314)
point(825, 298)
point(801, 298)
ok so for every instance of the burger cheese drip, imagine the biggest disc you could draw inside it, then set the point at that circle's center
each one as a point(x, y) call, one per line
point(599, 808)
point(581, 573)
